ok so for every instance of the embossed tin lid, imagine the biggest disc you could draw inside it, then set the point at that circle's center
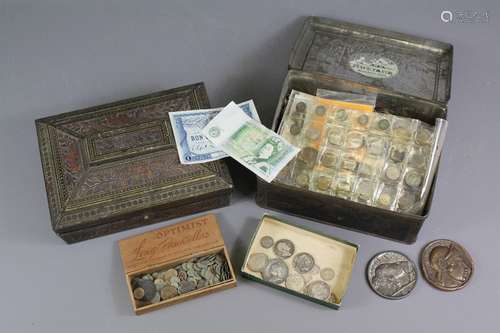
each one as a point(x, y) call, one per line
point(112, 161)
point(176, 241)
point(389, 60)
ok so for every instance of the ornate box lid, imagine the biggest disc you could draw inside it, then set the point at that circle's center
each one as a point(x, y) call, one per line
point(388, 60)
point(119, 158)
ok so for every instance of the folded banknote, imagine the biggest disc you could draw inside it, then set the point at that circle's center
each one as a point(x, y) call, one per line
point(256, 147)
point(192, 146)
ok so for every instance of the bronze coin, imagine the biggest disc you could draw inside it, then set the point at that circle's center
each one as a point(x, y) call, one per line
point(446, 265)
point(300, 107)
point(320, 110)
point(328, 159)
point(308, 154)
point(295, 129)
point(323, 183)
point(363, 120)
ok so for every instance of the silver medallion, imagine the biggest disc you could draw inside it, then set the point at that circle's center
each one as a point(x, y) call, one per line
point(284, 248)
point(266, 242)
point(257, 262)
point(391, 274)
point(276, 271)
point(295, 282)
point(319, 290)
point(303, 262)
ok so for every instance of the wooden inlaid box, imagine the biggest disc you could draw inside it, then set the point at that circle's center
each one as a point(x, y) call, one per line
point(411, 77)
point(165, 248)
point(115, 166)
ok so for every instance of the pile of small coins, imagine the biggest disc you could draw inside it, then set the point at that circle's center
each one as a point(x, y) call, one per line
point(295, 271)
point(195, 274)
point(368, 157)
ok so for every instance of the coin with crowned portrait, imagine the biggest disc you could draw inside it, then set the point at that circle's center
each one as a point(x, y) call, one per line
point(391, 274)
point(303, 262)
point(284, 248)
point(276, 271)
point(319, 290)
point(446, 265)
point(266, 242)
point(257, 262)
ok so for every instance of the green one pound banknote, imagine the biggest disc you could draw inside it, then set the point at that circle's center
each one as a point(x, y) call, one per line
point(259, 149)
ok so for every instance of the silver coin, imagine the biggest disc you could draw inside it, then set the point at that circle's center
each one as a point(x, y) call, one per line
point(257, 262)
point(295, 282)
point(284, 248)
point(327, 274)
point(391, 274)
point(303, 262)
point(266, 242)
point(276, 271)
point(319, 290)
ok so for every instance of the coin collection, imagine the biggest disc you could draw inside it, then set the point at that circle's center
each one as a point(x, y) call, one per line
point(349, 152)
point(295, 271)
point(301, 262)
point(194, 274)
point(445, 264)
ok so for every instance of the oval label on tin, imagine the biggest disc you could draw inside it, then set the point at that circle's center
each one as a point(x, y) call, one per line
point(373, 66)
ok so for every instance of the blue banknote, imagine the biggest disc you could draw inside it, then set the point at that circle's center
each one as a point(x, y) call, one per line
point(192, 146)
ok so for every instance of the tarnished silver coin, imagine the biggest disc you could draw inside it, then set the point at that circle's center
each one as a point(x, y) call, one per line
point(257, 262)
point(319, 290)
point(391, 274)
point(446, 265)
point(303, 262)
point(266, 242)
point(276, 271)
point(295, 282)
point(284, 248)
point(327, 274)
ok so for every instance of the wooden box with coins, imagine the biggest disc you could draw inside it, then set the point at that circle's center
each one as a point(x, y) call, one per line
point(411, 79)
point(115, 166)
point(307, 264)
point(176, 263)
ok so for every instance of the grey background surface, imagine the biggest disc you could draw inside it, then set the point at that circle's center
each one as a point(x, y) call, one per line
point(57, 56)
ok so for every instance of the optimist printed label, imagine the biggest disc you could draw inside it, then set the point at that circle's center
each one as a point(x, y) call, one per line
point(373, 66)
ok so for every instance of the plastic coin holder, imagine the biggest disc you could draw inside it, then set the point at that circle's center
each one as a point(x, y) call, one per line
point(386, 196)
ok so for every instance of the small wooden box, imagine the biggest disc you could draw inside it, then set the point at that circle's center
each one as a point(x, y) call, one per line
point(166, 247)
point(328, 253)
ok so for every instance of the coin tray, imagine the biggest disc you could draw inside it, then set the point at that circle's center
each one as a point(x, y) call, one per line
point(327, 252)
point(161, 249)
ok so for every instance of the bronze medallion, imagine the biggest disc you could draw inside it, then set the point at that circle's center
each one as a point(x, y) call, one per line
point(446, 265)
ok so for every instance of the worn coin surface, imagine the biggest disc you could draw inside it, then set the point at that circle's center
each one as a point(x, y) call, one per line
point(276, 271)
point(303, 262)
point(413, 179)
point(320, 110)
point(319, 289)
point(266, 242)
point(168, 292)
point(300, 106)
point(446, 265)
point(327, 274)
point(295, 282)
point(391, 274)
point(284, 248)
point(257, 262)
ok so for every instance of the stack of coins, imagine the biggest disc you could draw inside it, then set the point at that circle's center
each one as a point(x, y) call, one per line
point(195, 274)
